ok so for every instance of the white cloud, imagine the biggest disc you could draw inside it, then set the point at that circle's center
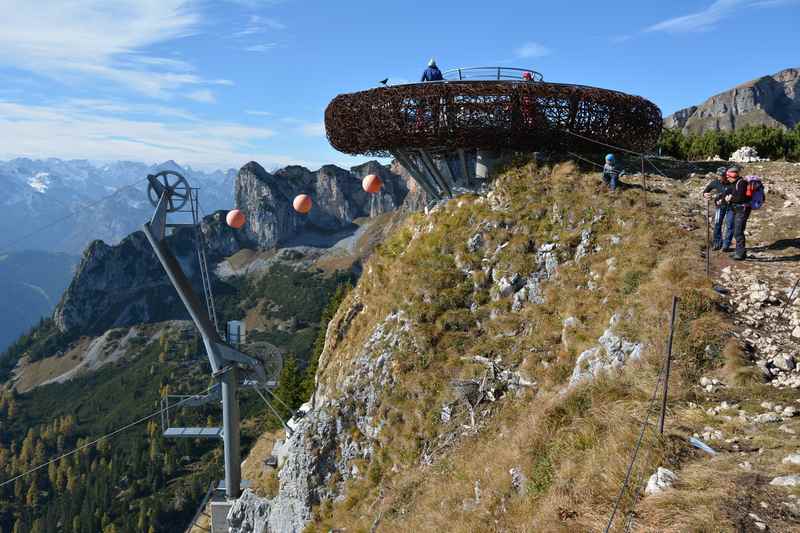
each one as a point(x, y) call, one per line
point(532, 49)
point(258, 24)
point(708, 18)
point(258, 113)
point(79, 130)
point(203, 95)
point(313, 129)
point(100, 40)
point(261, 48)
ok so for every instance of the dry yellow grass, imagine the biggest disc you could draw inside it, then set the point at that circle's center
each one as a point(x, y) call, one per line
point(573, 448)
point(33, 374)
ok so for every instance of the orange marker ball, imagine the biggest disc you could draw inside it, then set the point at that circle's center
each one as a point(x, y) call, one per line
point(235, 218)
point(372, 183)
point(302, 203)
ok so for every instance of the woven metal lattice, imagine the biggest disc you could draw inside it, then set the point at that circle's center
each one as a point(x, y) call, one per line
point(490, 115)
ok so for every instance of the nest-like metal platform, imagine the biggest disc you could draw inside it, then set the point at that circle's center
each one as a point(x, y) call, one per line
point(490, 115)
point(449, 133)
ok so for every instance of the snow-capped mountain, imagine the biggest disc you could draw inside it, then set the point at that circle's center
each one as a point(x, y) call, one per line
point(38, 193)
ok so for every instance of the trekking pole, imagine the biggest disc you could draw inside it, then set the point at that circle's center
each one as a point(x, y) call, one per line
point(792, 296)
point(667, 365)
point(708, 238)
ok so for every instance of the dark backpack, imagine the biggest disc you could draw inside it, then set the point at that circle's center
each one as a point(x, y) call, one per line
point(755, 192)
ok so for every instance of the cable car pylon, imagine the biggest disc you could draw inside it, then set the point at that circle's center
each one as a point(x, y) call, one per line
point(169, 192)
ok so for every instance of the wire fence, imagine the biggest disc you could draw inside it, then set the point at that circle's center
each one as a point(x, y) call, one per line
point(663, 377)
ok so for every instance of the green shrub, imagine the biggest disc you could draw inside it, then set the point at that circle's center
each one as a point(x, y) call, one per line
point(770, 142)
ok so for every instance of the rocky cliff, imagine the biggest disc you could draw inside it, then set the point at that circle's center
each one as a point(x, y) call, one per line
point(770, 100)
point(493, 366)
point(124, 284)
point(338, 199)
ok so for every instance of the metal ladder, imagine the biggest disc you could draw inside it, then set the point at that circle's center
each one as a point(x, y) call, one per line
point(200, 244)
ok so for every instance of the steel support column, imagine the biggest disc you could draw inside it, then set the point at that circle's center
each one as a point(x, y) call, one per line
point(230, 435)
point(418, 176)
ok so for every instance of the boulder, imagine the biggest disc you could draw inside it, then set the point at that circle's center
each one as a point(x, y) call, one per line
point(518, 480)
point(792, 480)
point(785, 362)
point(792, 459)
point(660, 481)
point(613, 352)
point(746, 154)
point(249, 514)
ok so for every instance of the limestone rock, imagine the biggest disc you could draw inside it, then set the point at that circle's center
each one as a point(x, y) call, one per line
point(792, 459)
point(266, 199)
point(475, 243)
point(792, 480)
point(613, 352)
point(660, 481)
point(518, 480)
point(785, 362)
point(746, 154)
point(323, 446)
point(249, 514)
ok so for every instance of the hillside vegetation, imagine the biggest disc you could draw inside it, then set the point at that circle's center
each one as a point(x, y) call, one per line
point(138, 481)
point(770, 142)
point(489, 302)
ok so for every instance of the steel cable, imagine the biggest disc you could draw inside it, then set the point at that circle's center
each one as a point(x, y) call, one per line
point(106, 436)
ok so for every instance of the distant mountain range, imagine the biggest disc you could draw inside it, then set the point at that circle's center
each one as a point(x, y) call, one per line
point(38, 192)
point(769, 100)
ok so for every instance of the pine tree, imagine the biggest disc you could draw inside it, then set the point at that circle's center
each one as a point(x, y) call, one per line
point(32, 497)
point(290, 386)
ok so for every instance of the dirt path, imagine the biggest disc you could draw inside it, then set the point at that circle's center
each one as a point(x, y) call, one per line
point(761, 430)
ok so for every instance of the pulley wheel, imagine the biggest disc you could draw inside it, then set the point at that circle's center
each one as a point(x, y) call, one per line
point(176, 184)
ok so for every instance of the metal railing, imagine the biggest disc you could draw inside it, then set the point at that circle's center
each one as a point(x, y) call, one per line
point(491, 73)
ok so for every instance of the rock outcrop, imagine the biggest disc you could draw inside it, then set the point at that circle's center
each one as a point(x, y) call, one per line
point(612, 352)
point(338, 199)
point(770, 100)
point(124, 284)
point(316, 460)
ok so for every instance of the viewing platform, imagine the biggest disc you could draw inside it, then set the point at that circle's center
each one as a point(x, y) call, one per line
point(450, 133)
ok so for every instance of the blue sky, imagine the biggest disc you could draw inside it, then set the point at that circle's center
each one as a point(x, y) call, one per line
point(214, 83)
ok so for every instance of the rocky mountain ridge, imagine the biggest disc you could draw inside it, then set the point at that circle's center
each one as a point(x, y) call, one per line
point(337, 197)
point(772, 100)
point(123, 284)
point(40, 191)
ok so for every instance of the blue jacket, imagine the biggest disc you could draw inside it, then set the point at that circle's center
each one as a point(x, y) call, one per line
point(432, 74)
point(612, 171)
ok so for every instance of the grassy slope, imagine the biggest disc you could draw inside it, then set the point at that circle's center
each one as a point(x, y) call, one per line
point(574, 447)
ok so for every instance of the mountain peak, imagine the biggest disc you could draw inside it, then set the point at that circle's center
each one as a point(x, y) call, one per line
point(772, 100)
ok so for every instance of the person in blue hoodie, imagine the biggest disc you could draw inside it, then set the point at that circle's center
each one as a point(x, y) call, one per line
point(432, 73)
point(611, 172)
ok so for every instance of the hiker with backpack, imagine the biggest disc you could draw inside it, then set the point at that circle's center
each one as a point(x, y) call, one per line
point(747, 194)
point(716, 191)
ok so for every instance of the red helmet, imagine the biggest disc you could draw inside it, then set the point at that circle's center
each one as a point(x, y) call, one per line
point(527, 76)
